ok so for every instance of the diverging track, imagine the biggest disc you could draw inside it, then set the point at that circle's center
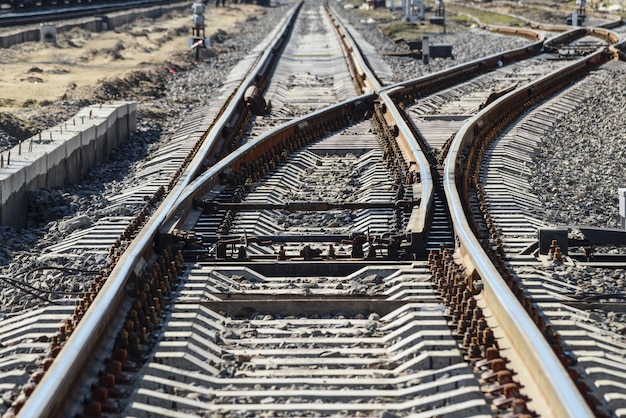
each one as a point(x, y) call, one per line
point(284, 268)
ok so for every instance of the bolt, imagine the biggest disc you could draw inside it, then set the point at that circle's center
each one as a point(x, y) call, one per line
point(331, 251)
point(281, 253)
point(46, 363)
point(504, 377)
point(92, 409)
point(498, 365)
point(511, 390)
point(39, 373)
point(100, 394)
point(519, 406)
point(558, 256)
point(474, 350)
point(487, 339)
point(107, 380)
point(467, 338)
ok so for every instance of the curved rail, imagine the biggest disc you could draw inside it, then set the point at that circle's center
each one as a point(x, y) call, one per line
point(279, 136)
point(425, 85)
point(53, 393)
point(571, 35)
point(619, 49)
point(366, 79)
point(257, 79)
point(550, 375)
point(418, 225)
point(563, 28)
point(528, 33)
point(408, 91)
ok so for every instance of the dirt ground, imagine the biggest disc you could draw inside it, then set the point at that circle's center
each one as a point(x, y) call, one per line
point(35, 74)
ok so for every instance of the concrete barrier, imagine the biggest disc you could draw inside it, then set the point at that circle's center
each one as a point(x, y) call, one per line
point(61, 155)
point(93, 24)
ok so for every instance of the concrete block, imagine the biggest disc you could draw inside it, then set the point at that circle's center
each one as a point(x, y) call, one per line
point(52, 140)
point(14, 203)
point(97, 145)
point(58, 172)
point(63, 155)
point(74, 143)
point(35, 167)
point(73, 151)
point(132, 116)
point(122, 125)
point(100, 143)
point(87, 149)
point(112, 133)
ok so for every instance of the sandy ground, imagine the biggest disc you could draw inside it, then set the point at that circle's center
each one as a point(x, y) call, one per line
point(34, 74)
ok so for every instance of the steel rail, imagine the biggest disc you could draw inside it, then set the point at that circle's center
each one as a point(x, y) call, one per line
point(418, 225)
point(551, 377)
point(206, 181)
point(389, 95)
point(619, 49)
point(210, 178)
point(53, 393)
point(563, 28)
point(279, 35)
point(368, 76)
point(578, 33)
point(513, 31)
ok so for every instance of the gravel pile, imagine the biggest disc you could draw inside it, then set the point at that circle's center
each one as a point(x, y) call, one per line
point(340, 171)
point(577, 175)
point(467, 44)
point(581, 165)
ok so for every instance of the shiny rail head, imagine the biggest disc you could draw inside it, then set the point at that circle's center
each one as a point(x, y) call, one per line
point(53, 391)
point(565, 399)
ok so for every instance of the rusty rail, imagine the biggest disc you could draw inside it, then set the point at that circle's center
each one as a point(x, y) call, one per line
point(469, 144)
point(285, 138)
point(366, 79)
point(54, 395)
point(553, 44)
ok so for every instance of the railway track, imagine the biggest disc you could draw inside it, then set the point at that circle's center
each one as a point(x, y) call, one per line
point(545, 280)
point(35, 14)
point(290, 266)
